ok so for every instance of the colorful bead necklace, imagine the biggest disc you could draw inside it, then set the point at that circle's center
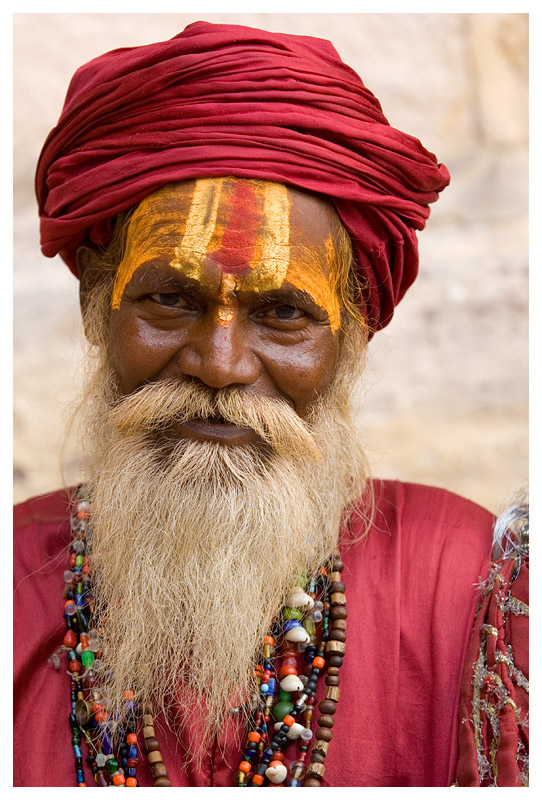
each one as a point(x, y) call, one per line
point(312, 623)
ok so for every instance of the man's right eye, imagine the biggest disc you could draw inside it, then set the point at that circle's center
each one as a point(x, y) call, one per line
point(167, 299)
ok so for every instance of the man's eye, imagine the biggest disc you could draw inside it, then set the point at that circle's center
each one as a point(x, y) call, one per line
point(167, 299)
point(287, 312)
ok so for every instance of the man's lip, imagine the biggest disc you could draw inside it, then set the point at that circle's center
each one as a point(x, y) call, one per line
point(215, 431)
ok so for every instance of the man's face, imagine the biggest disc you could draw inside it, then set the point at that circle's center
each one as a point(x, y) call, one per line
point(231, 283)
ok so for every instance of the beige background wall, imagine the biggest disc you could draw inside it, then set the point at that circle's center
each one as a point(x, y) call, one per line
point(445, 395)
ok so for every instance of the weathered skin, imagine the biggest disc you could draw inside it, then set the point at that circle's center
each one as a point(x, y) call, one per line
point(229, 282)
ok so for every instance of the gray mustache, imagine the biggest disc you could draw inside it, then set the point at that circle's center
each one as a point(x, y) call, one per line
point(158, 405)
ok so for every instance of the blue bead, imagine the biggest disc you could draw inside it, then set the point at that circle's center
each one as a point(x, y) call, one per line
point(264, 688)
point(293, 782)
point(77, 751)
point(80, 776)
point(272, 684)
point(131, 772)
point(132, 751)
point(291, 623)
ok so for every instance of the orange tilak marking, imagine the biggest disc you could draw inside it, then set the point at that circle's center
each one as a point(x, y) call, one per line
point(240, 229)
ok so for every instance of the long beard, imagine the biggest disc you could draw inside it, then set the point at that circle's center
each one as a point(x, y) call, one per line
point(196, 545)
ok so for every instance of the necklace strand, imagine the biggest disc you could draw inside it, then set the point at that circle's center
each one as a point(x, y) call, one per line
point(313, 623)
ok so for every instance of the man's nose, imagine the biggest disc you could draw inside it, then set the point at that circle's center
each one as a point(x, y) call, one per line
point(219, 356)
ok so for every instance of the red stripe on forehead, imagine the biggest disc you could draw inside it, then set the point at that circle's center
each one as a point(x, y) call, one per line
point(243, 220)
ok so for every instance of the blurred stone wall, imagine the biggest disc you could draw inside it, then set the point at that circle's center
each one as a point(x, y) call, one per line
point(444, 399)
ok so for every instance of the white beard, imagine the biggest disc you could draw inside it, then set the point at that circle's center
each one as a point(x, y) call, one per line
point(195, 547)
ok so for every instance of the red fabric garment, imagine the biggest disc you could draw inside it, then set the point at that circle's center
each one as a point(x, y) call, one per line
point(493, 709)
point(411, 598)
point(220, 100)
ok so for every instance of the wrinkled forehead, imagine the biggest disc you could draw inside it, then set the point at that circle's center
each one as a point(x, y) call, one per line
point(231, 217)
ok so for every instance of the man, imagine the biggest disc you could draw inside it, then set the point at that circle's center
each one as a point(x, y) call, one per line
point(242, 605)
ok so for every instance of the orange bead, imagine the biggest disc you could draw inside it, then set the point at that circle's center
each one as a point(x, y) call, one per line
point(319, 662)
point(131, 781)
point(283, 671)
point(100, 716)
point(257, 779)
point(268, 640)
point(254, 736)
point(119, 779)
point(97, 707)
point(288, 720)
point(131, 738)
point(278, 756)
point(128, 694)
point(245, 766)
point(82, 514)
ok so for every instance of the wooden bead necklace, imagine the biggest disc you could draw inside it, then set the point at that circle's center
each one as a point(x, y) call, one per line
point(322, 607)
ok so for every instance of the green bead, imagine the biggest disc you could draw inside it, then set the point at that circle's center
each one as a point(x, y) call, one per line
point(78, 561)
point(291, 613)
point(112, 765)
point(280, 710)
point(310, 626)
point(87, 658)
point(284, 695)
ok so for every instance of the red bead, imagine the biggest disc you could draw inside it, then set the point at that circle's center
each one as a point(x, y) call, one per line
point(70, 639)
point(286, 670)
point(71, 559)
point(131, 738)
point(268, 640)
point(75, 666)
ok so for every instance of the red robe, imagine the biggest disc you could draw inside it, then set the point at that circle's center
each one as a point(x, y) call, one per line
point(411, 590)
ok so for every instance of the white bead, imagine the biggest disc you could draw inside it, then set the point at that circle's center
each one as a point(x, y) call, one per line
point(299, 599)
point(294, 732)
point(276, 771)
point(297, 634)
point(291, 683)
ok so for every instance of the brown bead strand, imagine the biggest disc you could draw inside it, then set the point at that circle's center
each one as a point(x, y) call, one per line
point(152, 745)
point(335, 649)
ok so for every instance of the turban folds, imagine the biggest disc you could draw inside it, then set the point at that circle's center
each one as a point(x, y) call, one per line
point(219, 100)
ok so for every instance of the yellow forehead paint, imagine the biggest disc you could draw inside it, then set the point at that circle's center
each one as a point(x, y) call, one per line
point(241, 229)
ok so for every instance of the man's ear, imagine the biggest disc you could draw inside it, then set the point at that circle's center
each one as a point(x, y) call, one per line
point(89, 275)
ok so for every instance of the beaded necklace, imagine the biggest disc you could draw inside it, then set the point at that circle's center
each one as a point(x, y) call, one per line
point(313, 622)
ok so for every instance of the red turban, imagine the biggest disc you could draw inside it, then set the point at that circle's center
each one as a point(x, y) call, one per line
point(221, 100)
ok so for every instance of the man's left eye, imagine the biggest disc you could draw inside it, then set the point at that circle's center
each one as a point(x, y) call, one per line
point(288, 312)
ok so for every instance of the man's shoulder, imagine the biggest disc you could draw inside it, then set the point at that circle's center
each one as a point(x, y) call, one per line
point(44, 509)
point(415, 499)
point(41, 531)
point(416, 511)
